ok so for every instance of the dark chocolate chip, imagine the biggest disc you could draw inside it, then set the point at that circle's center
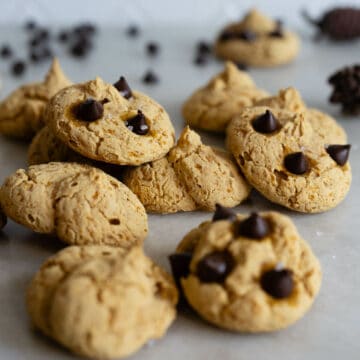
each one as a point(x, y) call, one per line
point(203, 48)
point(18, 67)
point(89, 110)
point(42, 34)
point(254, 227)
point(265, 123)
point(30, 25)
point(215, 267)
point(278, 283)
point(228, 35)
point(40, 54)
point(86, 29)
point(242, 66)
point(223, 213)
point(152, 49)
point(247, 35)
point(63, 36)
point(200, 60)
point(105, 101)
point(296, 163)
point(81, 48)
point(123, 87)
point(277, 33)
point(6, 51)
point(138, 124)
point(339, 153)
point(150, 78)
point(180, 265)
point(133, 31)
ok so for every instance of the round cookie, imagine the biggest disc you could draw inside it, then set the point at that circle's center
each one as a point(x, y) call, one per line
point(192, 176)
point(288, 162)
point(212, 106)
point(254, 274)
point(95, 120)
point(80, 204)
point(257, 41)
point(54, 270)
point(111, 306)
point(21, 113)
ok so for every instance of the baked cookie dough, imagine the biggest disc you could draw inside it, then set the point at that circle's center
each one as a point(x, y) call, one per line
point(253, 274)
point(102, 302)
point(212, 106)
point(21, 113)
point(192, 176)
point(257, 41)
point(283, 156)
point(80, 204)
point(97, 121)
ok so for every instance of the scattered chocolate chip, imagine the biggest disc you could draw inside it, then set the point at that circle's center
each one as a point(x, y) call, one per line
point(203, 48)
point(85, 29)
point(254, 227)
point(180, 265)
point(215, 267)
point(242, 66)
point(228, 35)
point(200, 60)
point(30, 25)
point(223, 213)
point(123, 87)
point(265, 123)
point(63, 36)
point(34, 41)
point(133, 31)
point(276, 33)
point(6, 51)
point(42, 34)
point(152, 49)
point(81, 48)
point(105, 101)
point(40, 54)
point(278, 283)
point(150, 78)
point(18, 67)
point(89, 110)
point(296, 163)
point(137, 124)
point(247, 35)
point(339, 153)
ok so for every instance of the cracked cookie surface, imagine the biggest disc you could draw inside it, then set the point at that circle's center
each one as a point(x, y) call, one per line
point(22, 112)
point(192, 176)
point(212, 106)
point(78, 203)
point(239, 302)
point(108, 138)
point(257, 41)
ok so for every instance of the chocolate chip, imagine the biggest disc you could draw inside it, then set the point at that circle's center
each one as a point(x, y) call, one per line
point(278, 283)
point(152, 49)
point(81, 47)
point(201, 60)
point(296, 163)
point(137, 124)
point(265, 123)
point(150, 78)
point(89, 110)
point(223, 213)
point(254, 227)
point(276, 33)
point(123, 87)
point(63, 36)
point(228, 35)
point(40, 54)
point(30, 25)
point(215, 267)
point(203, 48)
point(180, 265)
point(5, 51)
point(133, 31)
point(242, 66)
point(18, 67)
point(247, 35)
point(339, 153)
point(85, 29)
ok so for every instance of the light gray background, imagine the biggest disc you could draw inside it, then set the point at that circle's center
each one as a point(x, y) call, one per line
point(331, 329)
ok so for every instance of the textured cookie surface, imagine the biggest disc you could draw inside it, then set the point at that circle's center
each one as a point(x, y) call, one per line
point(239, 302)
point(320, 187)
point(213, 106)
point(109, 307)
point(21, 113)
point(258, 41)
point(108, 138)
point(78, 203)
point(192, 176)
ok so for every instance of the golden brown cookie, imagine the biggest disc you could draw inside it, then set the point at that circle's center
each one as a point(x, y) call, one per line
point(80, 204)
point(192, 176)
point(253, 274)
point(212, 106)
point(21, 113)
point(257, 41)
point(95, 120)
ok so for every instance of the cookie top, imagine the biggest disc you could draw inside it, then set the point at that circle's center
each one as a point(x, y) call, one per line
point(192, 176)
point(80, 204)
point(254, 274)
point(286, 159)
point(257, 41)
point(109, 307)
point(21, 113)
point(212, 106)
point(95, 120)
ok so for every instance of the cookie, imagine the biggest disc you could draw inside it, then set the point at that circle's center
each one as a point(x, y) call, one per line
point(253, 274)
point(192, 176)
point(257, 41)
point(80, 204)
point(109, 307)
point(21, 113)
point(212, 106)
point(96, 121)
point(283, 156)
